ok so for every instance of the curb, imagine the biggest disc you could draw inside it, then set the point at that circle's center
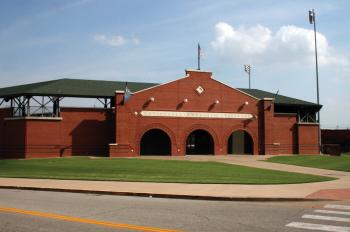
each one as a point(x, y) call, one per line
point(169, 196)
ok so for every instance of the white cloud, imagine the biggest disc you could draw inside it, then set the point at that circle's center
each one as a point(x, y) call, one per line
point(289, 44)
point(115, 41)
point(135, 41)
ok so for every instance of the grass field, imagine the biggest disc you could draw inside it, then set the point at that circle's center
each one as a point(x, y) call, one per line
point(85, 168)
point(340, 163)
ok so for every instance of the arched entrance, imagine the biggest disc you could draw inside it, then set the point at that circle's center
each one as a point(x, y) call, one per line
point(199, 142)
point(155, 142)
point(240, 142)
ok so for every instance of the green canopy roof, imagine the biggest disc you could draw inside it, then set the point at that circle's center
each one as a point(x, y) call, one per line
point(103, 89)
point(73, 88)
point(280, 99)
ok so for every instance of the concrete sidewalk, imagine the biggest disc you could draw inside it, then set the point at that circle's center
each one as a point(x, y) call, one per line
point(338, 189)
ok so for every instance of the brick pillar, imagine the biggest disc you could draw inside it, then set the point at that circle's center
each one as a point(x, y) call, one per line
point(308, 138)
point(123, 127)
point(267, 110)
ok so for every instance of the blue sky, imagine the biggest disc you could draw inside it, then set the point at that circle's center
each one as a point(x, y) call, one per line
point(154, 41)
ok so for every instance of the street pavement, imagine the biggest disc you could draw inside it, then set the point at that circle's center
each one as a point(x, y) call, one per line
point(337, 189)
point(25, 210)
point(333, 217)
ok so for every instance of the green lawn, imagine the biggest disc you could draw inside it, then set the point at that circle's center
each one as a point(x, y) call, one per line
point(84, 168)
point(340, 163)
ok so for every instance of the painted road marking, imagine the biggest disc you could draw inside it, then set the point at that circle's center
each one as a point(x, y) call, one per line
point(321, 227)
point(85, 220)
point(331, 206)
point(310, 226)
point(327, 218)
point(331, 212)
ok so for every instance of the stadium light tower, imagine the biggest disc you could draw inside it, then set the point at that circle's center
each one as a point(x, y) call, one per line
point(312, 20)
point(247, 69)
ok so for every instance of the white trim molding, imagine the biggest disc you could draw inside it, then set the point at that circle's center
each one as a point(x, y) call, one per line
point(35, 118)
point(176, 114)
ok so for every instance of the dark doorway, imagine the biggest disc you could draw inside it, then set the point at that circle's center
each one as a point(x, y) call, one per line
point(240, 142)
point(155, 142)
point(199, 142)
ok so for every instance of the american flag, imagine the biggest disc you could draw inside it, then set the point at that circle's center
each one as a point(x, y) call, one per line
point(127, 93)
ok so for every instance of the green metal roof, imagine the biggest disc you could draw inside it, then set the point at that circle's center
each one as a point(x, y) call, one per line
point(280, 99)
point(73, 88)
point(101, 89)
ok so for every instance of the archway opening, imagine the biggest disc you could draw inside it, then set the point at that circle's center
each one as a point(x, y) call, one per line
point(199, 142)
point(240, 142)
point(155, 142)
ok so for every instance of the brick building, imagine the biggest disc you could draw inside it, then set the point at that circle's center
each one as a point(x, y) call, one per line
point(335, 141)
point(195, 114)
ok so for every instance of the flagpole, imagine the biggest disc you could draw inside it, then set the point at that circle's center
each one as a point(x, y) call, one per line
point(199, 56)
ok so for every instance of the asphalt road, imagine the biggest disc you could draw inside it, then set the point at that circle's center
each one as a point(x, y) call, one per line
point(22, 210)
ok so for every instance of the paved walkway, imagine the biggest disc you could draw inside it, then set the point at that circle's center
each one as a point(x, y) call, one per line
point(337, 189)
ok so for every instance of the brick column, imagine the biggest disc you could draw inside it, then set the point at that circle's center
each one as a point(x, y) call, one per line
point(267, 142)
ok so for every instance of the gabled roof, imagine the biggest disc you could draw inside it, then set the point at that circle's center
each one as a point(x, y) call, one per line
point(280, 99)
point(101, 89)
point(73, 88)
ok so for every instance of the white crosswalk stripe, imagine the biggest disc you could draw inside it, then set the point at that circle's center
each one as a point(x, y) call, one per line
point(321, 224)
point(331, 212)
point(327, 218)
point(331, 206)
point(311, 226)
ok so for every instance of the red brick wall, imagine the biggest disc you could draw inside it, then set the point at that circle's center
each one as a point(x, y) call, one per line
point(169, 97)
point(285, 133)
point(337, 139)
point(279, 132)
point(82, 131)
point(12, 136)
point(335, 136)
point(42, 138)
point(308, 139)
point(4, 113)
point(86, 131)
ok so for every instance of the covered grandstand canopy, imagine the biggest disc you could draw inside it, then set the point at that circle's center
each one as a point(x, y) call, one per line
point(106, 89)
point(72, 88)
